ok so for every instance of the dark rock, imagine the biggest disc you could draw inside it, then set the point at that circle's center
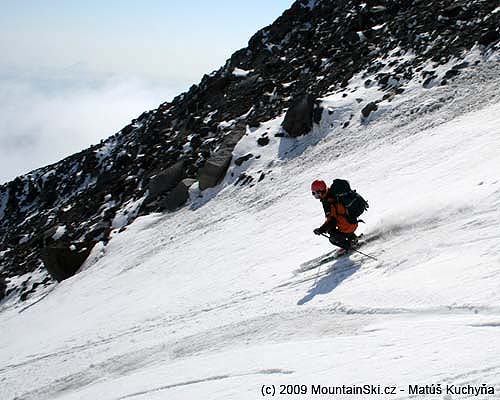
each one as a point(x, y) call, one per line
point(299, 117)
point(107, 178)
point(49, 192)
point(3, 287)
point(428, 82)
point(123, 160)
point(216, 166)
point(452, 11)
point(428, 73)
point(99, 231)
point(24, 296)
point(383, 79)
point(242, 159)
point(461, 65)
point(204, 131)
point(214, 169)
point(253, 123)
point(263, 141)
point(451, 73)
point(244, 179)
point(62, 262)
point(368, 109)
point(165, 181)
point(178, 196)
point(33, 192)
point(489, 36)
point(345, 81)
point(195, 141)
point(128, 129)
point(317, 114)
point(89, 163)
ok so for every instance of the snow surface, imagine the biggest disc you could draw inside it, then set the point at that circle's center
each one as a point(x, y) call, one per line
point(241, 73)
point(60, 231)
point(127, 213)
point(220, 298)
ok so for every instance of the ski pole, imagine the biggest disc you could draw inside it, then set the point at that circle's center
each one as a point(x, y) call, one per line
point(357, 251)
point(366, 255)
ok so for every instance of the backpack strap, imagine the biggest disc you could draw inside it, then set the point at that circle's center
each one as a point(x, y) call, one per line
point(335, 203)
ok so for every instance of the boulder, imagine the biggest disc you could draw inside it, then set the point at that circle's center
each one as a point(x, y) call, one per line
point(107, 178)
point(452, 11)
point(49, 191)
point(3, 287)
point(214, 169)
point(167, 180)
point(317, 113)
point(45, 237)
point(451, 73)
point(299, 117)
point(489, 36)
point(242, 159)
point(368, 109)
point(178, 196)
point(263, 141)
point(195, 141)
point(63, 260)
point(98, 231)
point(216, 166)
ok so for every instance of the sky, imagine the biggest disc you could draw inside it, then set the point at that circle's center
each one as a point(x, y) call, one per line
point(73, 73)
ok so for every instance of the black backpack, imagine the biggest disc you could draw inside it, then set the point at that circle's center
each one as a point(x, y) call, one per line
point(354, 204)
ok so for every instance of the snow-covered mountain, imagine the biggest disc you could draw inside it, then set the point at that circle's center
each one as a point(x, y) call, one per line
point(314, 50)
point(232, 296)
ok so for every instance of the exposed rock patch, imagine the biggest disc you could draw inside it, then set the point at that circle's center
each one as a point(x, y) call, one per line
point(63, 260)
point(299, 117)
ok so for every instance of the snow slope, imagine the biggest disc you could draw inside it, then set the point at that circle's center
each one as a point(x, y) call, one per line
point(232, 294)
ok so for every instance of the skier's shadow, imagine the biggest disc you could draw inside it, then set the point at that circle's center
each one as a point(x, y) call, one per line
point(336, 273)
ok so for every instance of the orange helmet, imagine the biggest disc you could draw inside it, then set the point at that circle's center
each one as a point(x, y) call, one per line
point(318, 185)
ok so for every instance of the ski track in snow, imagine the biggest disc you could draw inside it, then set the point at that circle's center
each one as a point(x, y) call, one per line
point(214, 301)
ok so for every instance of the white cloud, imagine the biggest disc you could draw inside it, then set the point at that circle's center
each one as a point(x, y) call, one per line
point(45, 120)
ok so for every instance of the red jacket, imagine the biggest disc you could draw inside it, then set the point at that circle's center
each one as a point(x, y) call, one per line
point(335, 214)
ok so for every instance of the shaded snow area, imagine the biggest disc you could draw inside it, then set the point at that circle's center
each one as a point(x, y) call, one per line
point(230, 295)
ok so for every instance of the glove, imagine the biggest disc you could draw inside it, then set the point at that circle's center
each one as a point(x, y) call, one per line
point(318, 231)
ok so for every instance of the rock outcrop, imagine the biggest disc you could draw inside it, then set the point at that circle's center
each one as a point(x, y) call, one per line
point(3, 287)
point(63, 260)
point(299, 117)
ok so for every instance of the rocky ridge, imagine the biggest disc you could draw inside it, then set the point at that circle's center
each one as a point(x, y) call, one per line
point(60, 211)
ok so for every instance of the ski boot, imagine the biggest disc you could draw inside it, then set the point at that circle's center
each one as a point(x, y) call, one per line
point(341, 252)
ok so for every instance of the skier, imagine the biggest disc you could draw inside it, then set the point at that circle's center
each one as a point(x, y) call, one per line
point(341, 231)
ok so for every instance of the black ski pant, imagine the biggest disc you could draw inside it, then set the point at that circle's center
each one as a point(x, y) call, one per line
point(341, 239)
